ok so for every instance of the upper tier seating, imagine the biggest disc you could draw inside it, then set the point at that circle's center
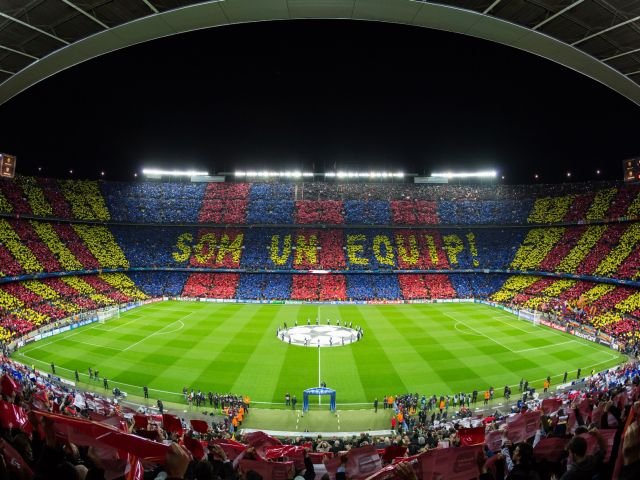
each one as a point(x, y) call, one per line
point(318, 203)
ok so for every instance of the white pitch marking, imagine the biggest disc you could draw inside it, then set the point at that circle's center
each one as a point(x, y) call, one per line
point(465, 333)
point(159, 332)
point(545, 346)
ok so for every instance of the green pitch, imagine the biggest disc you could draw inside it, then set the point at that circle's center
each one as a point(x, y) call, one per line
point(430, 349)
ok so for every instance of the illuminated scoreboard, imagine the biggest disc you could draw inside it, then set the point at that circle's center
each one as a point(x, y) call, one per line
point(7, 165)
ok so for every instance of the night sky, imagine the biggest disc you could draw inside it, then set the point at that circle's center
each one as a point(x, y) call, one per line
point(318, 96)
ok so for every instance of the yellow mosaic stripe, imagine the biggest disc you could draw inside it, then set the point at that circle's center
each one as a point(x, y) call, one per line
point(50, 237)
point(514, 285)
point(102, 245)
point(19, 251)
point(634, 207)
point(581, 250)
point(35, 196)
point(5, 335)
point(559, 286)
point(86, 200)
point(629, 304)
point(5, 206)
point(605, 319)
point(11, 303)
point(601, 203)
point(598, 291)
point(550, 209)
point(620, 252)
point(48, 293)
point(549, 293)
point(123, 283)
point(87, 290)
point(535, 247)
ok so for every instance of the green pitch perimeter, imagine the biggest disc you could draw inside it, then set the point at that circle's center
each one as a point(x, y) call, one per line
point(430, 349)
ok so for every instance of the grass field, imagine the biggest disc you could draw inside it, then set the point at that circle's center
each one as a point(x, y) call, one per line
point(430, 349)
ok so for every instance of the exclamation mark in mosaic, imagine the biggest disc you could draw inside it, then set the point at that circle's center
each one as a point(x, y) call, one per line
point(471, 240)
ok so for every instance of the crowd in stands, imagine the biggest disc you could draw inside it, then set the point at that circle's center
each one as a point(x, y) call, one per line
point(55, 431)
point(330, 203)
point(150, 202)
point(372, 287)
point(170, 284)
point(224, 203)
point(30, 304)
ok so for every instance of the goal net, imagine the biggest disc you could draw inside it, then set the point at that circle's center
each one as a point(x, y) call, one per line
point(532, 316)
point(106, 313)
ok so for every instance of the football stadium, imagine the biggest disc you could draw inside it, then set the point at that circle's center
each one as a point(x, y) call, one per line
point(318, 323)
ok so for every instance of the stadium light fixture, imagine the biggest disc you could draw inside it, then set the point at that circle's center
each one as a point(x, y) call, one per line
point(372, 174)
point(480, 174)
point(156, 172)
point(272, 174)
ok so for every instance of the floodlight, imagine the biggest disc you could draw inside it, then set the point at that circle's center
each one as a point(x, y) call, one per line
point(156, 172)
point(273, 174)
point(370, 174)
point(480, 174)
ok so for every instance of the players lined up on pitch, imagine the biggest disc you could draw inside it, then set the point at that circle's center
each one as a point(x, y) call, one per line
point(320, 335)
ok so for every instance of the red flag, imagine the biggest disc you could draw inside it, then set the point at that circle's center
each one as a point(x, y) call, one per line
point(136, 470)
point(572, 422)
point(523, 426)
point(596, 415)
point(318, 457)
point(551, 405)
point(171, 423)
point(592, 443)
point(141, 421)
point(622, 399)
point(200, 426)
point(194, 446)
point(585, 409)
point(102, 435)
point(451, 463)
point(231, 448)
point(40, 400)
point(361, 463)
point(16, 465)
point(260, 441)
point(12, 416)
point(471, 436)
point(8, 385)
point(295, 453)
point(493, 440)
point(550, 449)
point(268, 470)
point(393, 451)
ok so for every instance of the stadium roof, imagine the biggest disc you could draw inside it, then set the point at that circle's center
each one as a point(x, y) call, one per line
point(598, 38)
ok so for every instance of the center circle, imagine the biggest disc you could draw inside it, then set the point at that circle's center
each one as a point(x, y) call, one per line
point(319, 335)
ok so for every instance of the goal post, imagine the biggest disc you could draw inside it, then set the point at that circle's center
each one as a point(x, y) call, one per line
point(107, 313)
point(532, 316)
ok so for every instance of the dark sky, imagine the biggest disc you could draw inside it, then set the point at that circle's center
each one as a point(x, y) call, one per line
point(315, 95)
